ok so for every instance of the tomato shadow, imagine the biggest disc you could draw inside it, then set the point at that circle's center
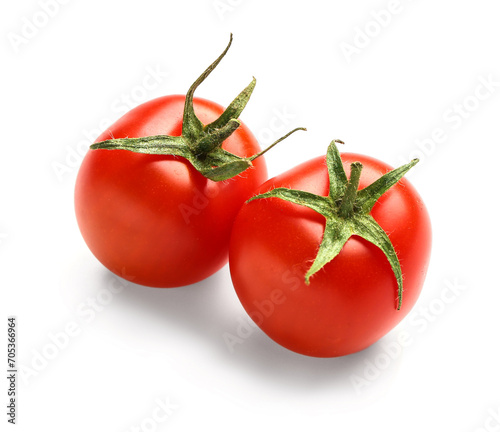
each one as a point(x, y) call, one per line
point(204, 318)
point(264, 357)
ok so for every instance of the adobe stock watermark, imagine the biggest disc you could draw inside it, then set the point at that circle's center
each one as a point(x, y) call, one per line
point(491, 422)
point(59, 341)
point(278, 124)
point(200, 201)
point(153, 77)
point(264, 309)
point(417, 322)
point(453, 118)
point(31, 26)
point(366, 33)
point(224, 7)
point(161, 412)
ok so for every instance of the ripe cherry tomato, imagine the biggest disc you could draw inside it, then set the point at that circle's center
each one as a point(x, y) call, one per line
point(154, 219)
point(351, 302)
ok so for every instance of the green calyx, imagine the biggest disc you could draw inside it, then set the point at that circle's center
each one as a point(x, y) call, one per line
point(200, 144)
point(347, 211)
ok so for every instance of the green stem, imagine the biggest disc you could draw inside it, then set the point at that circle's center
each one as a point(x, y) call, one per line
point(347, 205)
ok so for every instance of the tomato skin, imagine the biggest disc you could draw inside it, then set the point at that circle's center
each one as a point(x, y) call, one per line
point(154, 219)
point(351, 302)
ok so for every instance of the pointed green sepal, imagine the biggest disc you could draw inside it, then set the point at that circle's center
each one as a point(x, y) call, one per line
point(158, 144)
point(255, 156)
point(334, 238)
point(315, 202)
point(192, 127)
point(366, 227)
point(228, 170)
point(234, 109)
point(368, 196)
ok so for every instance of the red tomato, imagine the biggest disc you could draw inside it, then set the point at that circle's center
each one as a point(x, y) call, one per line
point(350, 303)
point(154, 219)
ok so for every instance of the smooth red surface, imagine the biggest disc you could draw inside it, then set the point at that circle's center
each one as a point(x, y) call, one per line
point(154, 219)
point(352, 301)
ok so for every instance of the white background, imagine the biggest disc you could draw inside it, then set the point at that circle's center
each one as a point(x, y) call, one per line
point(122, 350)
